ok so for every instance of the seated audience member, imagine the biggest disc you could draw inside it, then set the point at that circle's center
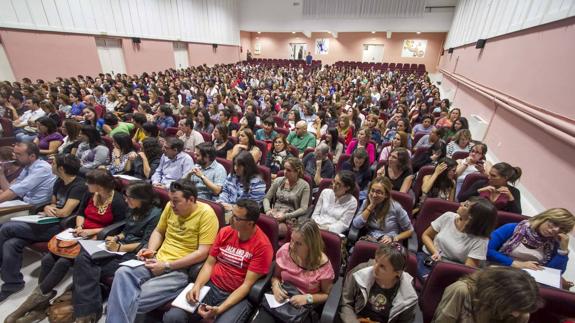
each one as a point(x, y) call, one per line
point(332, 141)
point(288, 197)
point(49, 139)
point(459, 124)
point(34, 183)
point(113, 126)
point(371, 122)
point(221, 142)
point(385, 220)
point(293, 118)
point(440, 184)
point(102, 206)
point(28, 118)
point(494, 294)
point(188, 135)
point(301, 138)
point(430, 156)
point(11, 168)
point(336, 206)
point(202, 121)
point(71, 130)
point(174, 164)
point(380, 290)
point(447, 121)
point(359, 164)
point(498, 189)
point(401, 125)
point(77, 106)
point(267, 131)
point(151, 130)
point(139, 119)
point(67, 193)
point(246, 142)
point(425, 127)
point(249, 120)
point(92, 151)
point(209, 176)
point(141, 219)
point(145, 163)
point(428, 140)
point(90, 118)
point(345, 129)
point(164, 118)
point(277, 155)
point(168, 255)
point(362, 141)
point(542, 240)
point(461, 142)
point(303, 274)
point(122, 154)
point(244, 182)
point(475, 162)
point(398, 170)
point(318, 165)
point(225, 119)
point(241, 255)
point(399, 141)
point(460, 237)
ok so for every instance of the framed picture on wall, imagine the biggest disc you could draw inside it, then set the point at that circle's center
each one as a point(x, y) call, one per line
point(258, 48)
point(414, 48)
point(321, 46)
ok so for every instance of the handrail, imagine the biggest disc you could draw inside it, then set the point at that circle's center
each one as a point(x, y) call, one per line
point(552, 123)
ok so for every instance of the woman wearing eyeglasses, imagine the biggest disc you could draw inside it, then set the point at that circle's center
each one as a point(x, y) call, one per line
point(475, 162)
point(384, 219)
point(460, 237)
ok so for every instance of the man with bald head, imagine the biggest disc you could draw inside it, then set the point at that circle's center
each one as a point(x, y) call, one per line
point(300, 138)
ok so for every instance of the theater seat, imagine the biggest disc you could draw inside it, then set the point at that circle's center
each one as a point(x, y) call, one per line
point(431, 209)
point(228, 164)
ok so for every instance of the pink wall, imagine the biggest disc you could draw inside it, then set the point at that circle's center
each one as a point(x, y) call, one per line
point(349, 46)
point(48, 55)
point(205, 54)
point(148, 56)
point(246, 44)
point(535, 67)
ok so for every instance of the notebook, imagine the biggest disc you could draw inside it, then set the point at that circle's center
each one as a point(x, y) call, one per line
point(182, 302)
point(39, 219)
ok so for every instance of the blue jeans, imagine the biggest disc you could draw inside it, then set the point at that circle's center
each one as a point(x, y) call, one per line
point(136, 291)
point(238, 313)
point(23, 136)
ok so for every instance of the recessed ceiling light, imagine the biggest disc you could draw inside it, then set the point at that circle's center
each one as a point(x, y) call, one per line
point(419, 32)
point(293, 32)
point(373, 32)
point(259, 32)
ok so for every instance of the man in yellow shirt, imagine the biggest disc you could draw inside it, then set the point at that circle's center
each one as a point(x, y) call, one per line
point(182, 238)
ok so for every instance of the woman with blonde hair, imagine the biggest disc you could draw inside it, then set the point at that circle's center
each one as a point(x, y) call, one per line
point(495, 294)
point(400, 140)
point(542, 240)
point(303, 274)
point(385, 219)
point(344, 128)
point(461, 142)
point(288, 197)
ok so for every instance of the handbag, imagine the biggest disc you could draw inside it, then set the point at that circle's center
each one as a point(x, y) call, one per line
point(64, 248)
point(62, 309)
point(290, 314)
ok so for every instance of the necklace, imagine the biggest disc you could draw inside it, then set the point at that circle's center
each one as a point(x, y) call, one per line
point(104, 205)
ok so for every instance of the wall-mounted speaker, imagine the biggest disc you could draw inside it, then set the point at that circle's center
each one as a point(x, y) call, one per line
point(136, 40)
point(480, 43)
point(450, 51)
point(214, 46)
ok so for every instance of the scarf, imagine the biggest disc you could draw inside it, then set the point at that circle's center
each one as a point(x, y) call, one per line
point(523, 234)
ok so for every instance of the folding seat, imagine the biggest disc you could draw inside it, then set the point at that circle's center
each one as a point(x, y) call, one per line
point(293, 150)
point(266, 175)
point(262, 145)
point(399, 66)
point(228, 164)
point(283, 131)
point(207, 137)
point(508, 217)
point(460, 155)
point(431, 209)
point(425, 170)
point(469, 180)
point(171, 131)
point(406, 202)
point(342, 159)
point(279, 122)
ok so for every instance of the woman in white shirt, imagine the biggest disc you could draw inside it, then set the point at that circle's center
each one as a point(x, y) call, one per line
point(460, 237)
point(475, 162)
point(336, 206)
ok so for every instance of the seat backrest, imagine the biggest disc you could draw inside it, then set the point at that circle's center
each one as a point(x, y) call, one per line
point(459, 155)
point(406, 202)
point(308, 150)
point(162, 195)
point(8, 130)
point(282, 131)
point(558, 305)
point(266, 174)
point(279, 122)
point(207, 136)
point(362, 251)
point(508, 217)
point(425, 170)
point(171, 131)
point(218, 208)
point(228, 164)
point(332, 243)
point(431, 209)
point(342, 159)
point(270, 227)
point(263, 146)
point(469, 180)
point(293, 150)
point(109, 142)
point(442, 275)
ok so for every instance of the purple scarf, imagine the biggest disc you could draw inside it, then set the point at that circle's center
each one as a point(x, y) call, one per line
point(523, 234)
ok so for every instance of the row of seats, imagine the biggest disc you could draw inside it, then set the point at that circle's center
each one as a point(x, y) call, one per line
point(284, 62)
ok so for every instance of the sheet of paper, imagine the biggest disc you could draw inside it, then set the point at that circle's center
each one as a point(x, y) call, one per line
point(182, 302)
point(67, 235)
point(132, 263)
point(547, 276)
point(13, 203)
point(102, 246)
point(272, 301)
point(36, 219)
point(128, 177)
point(91, 246)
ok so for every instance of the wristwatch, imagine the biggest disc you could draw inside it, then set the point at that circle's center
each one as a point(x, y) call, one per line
point(309, 299)
point(167, 267)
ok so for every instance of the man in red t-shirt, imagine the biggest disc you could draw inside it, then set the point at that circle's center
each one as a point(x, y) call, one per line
point(241, 254)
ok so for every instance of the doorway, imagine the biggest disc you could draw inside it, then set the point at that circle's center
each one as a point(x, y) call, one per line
point(111, 55)
point(372, 53)
point(297, 51)
point(6, 73)
point(181, 55)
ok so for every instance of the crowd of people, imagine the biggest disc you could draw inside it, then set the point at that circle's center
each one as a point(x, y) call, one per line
point(337, 142)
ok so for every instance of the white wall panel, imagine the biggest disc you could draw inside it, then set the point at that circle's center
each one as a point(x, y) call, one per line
point(6, 73)
point(211, 21)
point(475, 19)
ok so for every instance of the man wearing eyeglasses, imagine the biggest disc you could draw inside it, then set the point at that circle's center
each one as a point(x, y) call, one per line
point(241, 254)
point(300, 138)
point(182, 238)
point(174, 164)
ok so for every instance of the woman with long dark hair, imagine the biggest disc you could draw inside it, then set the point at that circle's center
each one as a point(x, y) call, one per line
point(332, 141)
point(123, 150)
point(92, 152)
